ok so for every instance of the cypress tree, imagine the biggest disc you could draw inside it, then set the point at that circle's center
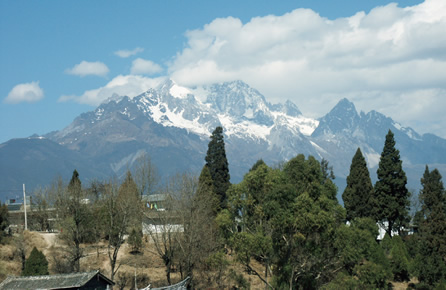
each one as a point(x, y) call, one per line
point(217, 164)
point(430, 263)
point(206, 192)
point(391, 197)
point(36, 264)
point(359, 189)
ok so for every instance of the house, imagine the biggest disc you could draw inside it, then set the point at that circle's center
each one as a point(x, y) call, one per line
point(87, 280)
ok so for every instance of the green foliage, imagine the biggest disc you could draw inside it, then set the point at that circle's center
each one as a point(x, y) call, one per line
point(371, 275)
point(4, 220)
point(206, 192)
point(399, 260)
point(429, 264)
point(239, 280)
point(217, 164)
point(359, 189)
point(391, 197)
point(36, 264)
point(343, 281)
point(225, 223)
point(135, 240)
point(288, 219)
point(356, 243)
point(257, 164)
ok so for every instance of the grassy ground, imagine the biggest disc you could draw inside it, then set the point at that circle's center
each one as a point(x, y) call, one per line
point(147, 265)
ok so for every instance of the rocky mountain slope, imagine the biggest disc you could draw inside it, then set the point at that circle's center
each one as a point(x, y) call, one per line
point(173, 124)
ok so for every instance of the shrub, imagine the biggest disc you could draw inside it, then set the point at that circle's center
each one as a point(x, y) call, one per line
point(36, 264)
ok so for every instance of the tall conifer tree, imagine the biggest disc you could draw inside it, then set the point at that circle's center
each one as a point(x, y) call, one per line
point(217, 164)
point(391, 197)
point(359, 189)
point(430, 263)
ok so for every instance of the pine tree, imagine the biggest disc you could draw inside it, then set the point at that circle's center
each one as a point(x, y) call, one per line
point(359, 189)
point(36, 264)
point(218, 164)
point(432, 229)
point(391, 197)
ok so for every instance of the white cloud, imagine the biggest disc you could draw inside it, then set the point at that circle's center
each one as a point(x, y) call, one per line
point(27, 92)
point(122, 85)
point(127, 53)
point(381, 57)
point(142, 66)
point(86, 68)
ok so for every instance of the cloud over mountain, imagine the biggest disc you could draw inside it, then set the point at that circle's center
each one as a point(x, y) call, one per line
point(143, 66)
point(121, 85)
point(390, 54)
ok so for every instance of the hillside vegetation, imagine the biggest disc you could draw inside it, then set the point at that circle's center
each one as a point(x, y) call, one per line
point(281, 227)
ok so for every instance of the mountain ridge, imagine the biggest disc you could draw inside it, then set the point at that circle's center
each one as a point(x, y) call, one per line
point(173, 124)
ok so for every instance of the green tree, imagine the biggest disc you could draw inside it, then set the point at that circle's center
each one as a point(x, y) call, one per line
point(248, 202)
point(36, 264)
point(218, 164)
point(359, 189)
point(135, 240)
point(304, 218)
point(391, 197)
point(429, 263)
point(4, 219)
point(399, 260)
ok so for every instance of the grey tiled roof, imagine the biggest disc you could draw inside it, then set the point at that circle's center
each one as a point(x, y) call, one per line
point(50, 281)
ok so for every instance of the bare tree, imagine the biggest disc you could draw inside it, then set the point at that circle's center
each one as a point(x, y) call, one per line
point(146, 175)
point(75, 219)
point(121, 210)
point(165, 226)
point(196, 207)
point(40, 209)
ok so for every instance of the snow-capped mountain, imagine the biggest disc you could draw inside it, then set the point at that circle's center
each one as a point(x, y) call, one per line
point(173, 124)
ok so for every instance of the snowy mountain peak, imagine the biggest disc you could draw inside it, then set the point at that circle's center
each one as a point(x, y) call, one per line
point(343, 117)
point(240, 101)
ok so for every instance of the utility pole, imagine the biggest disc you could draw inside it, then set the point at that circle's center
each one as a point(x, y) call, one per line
point(24, 207)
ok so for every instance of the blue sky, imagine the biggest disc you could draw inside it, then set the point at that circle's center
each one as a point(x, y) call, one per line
point(61, 58)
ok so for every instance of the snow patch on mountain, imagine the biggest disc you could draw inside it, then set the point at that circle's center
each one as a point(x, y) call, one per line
point(243, 129)
point(162, 114)
point(179, 92)
point(304, 125)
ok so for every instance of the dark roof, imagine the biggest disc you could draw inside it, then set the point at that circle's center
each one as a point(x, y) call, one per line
point(155, 197)
point(60, 281)
point(14, 206)
point(179, 286)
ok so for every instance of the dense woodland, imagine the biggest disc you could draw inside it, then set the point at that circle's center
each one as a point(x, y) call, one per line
point(283, 224)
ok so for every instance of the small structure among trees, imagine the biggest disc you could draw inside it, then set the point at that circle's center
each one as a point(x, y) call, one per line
point(86, 280)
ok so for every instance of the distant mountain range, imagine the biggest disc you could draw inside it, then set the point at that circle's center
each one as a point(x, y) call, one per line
point(173, 124)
